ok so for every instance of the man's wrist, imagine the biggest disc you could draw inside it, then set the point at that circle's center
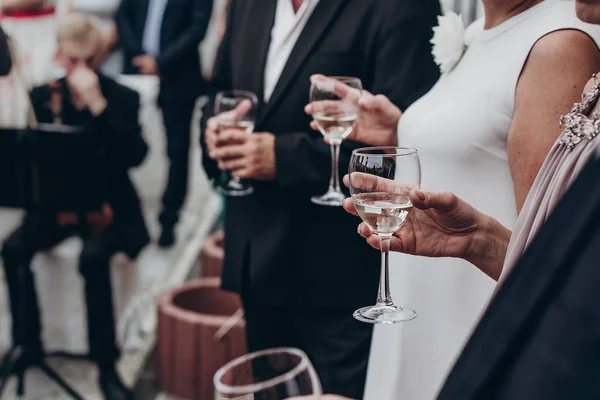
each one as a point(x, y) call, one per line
point(488, 246)
point(97, 106)
point(393, 136)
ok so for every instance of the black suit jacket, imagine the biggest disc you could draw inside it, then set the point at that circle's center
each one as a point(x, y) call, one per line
point(540, 336)
point(183, 28)
point(124, 144)
point(297, 253)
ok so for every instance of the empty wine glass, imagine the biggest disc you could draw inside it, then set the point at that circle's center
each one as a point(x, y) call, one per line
point(274, 374)
point(335, 111)
point(381, 179)
point(235, 110)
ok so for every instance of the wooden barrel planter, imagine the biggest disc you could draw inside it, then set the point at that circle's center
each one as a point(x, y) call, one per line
point(212, 255)
point(188, 351)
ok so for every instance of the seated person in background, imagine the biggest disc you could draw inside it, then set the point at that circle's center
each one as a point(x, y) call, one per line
point(85, 98)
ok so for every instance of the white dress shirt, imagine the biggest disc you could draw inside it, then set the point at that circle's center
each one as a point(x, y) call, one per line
point(151, 39)
point(285, 33)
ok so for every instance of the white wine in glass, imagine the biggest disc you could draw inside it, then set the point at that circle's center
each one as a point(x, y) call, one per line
point(242, 126)
point(384, 213)
point(381, 179)
point(335, 126)
point(235, 110)
point(335, 111)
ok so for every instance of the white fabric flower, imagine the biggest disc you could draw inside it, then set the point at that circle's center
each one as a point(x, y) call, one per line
point(448, 41)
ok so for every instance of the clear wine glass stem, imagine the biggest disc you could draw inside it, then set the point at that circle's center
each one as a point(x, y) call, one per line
point(385, 297)
point(334, 182)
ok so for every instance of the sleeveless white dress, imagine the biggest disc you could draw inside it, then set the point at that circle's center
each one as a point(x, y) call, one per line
point(460, 129)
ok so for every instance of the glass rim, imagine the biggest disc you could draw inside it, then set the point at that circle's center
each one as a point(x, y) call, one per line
point(344, 78)
point(366, 151)
point(236, 93)
point(245, 389)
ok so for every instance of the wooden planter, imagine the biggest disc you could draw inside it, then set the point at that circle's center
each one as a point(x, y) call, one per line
point(212, 254)
point(188, 354)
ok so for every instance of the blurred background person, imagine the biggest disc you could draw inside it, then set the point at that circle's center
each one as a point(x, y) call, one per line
point(104, 12)
point(31, 25)
point(162, 38)
point(97, 103)
point(298, 289)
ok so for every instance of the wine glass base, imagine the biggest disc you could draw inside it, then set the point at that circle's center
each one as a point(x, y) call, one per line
point(384, 314)
point(235, 189)
point(331, 199)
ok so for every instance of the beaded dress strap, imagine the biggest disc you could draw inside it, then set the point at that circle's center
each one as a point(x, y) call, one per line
point(577, 125)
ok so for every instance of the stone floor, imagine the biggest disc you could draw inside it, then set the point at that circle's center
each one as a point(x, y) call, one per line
point(135, 283)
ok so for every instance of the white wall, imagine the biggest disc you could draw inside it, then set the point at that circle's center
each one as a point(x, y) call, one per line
point(464, 7)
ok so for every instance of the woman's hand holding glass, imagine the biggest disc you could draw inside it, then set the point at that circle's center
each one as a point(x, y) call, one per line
point(378, 121)
point(442, 225)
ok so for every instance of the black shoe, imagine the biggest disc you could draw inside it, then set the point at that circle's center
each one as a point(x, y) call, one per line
point(19, 360)
point(167, 237)
point(112, 386)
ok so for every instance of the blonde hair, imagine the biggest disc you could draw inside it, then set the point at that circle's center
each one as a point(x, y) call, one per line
point(79, 28)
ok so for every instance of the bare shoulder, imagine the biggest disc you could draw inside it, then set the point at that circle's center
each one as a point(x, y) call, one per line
point(565, 47)
point(566, 58)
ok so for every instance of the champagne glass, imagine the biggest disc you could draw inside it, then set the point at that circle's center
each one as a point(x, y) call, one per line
point(235, 110)
point(335, 111)
point(381, 179)
point(274, 374)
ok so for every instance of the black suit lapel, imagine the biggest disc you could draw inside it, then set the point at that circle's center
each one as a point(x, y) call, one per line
point(527, 289)
point(322, 17)
point(261, 23)
point(143, 8)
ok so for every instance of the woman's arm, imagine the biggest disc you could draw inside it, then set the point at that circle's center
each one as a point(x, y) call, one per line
point(442, 225)
point(552, 79)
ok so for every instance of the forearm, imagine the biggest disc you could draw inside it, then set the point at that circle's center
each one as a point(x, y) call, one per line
point(488, 247)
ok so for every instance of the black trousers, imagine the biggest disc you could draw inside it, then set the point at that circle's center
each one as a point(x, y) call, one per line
point(337, 344)
point(41, 233)
point(177, 118)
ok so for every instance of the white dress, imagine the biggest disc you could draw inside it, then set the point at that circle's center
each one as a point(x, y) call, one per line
point(34, 46)
point(460, 129)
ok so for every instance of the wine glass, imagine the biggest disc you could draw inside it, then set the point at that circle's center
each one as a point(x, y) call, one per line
point(335, 111)
point(381, 179)
point(235, 110)
point(274, 374)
